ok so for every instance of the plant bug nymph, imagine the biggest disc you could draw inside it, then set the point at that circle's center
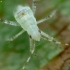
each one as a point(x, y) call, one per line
point(24, 16)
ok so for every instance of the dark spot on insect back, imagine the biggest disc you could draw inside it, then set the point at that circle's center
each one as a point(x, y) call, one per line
point(39, 31)
point(30, 36)
point(22, 14)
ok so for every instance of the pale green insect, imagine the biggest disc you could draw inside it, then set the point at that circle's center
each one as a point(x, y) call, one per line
point(25, 18)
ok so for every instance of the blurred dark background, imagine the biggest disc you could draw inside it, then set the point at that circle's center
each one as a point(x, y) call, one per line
point(48, 55)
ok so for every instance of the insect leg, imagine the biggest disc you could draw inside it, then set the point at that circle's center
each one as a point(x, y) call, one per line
point(9, 22)
point(51, 39)
point(14, 37)
point(32, 48)
point(47, 18)
point(34, 5)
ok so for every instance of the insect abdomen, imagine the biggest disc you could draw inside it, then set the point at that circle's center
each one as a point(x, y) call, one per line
point(24, 16)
